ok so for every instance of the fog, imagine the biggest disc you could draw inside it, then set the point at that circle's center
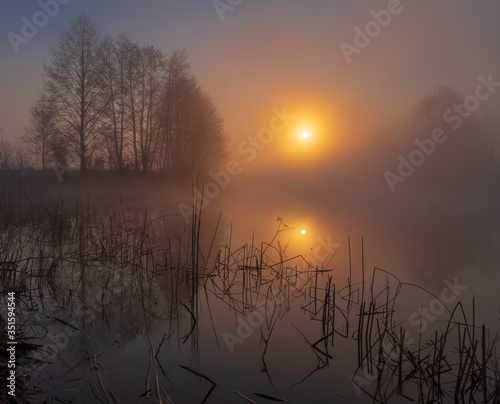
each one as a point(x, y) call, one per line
point(176, 158)
point(439, 221)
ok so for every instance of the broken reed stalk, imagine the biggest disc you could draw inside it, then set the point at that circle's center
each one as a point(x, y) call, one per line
point(349, 280)
point(483, 368)
point(271, 398)
point(400, 360)
point(166, 395)
point(360, 336)
point(199, 374)
point(362, 270)
point(203, 376)
point(244, 397)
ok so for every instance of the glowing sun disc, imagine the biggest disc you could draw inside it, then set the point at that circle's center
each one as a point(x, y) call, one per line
point(302, 232)
point(305, 135)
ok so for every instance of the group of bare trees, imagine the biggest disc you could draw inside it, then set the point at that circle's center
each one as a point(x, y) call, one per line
point(110, 102)
point(43, 138)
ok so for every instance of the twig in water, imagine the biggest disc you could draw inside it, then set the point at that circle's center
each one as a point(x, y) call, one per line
point(271, 398)
point(245, 398)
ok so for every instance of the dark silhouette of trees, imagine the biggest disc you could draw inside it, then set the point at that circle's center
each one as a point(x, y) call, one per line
point(443, 218)
point(203, 144)
point(148, 91)
point(41, 130)
point(116, 55)
point(74, 80)
point(192, 137)
point(122, 105)
point(458, 162)
point(7, 151)
point(427, 114)
point(175, 102)
point(59, 150)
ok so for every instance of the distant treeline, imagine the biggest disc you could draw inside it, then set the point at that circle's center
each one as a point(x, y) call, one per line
point(109, 103)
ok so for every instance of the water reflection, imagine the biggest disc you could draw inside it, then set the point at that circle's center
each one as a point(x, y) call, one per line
point(122, 311)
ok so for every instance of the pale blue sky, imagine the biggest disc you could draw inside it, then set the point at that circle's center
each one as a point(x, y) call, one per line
point(268, 53)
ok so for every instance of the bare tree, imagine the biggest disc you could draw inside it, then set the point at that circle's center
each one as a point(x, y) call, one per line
point(74, 81)
point(41, 128)
point(59, 150)
point(131, 63)
point(22, 157)
point(141, 107)
point(178, 84)
point(116, 55)
point(150, 74)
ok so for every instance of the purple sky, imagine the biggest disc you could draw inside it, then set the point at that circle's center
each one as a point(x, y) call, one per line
point(268, 54)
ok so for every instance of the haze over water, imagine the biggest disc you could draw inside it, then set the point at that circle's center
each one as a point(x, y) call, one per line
point(361, 140)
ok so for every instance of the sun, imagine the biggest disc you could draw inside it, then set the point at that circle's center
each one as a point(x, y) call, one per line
point(304, 135)
point(302, 231)
point(313, 134)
